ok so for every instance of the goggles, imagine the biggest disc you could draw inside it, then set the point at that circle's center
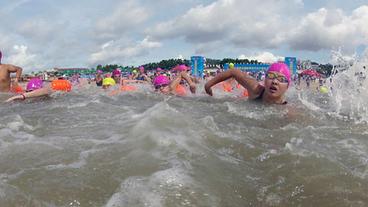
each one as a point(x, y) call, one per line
point(160, 86)
point(280, 78)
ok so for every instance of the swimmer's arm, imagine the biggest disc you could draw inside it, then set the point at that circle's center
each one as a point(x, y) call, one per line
point(17, 70)
point(36, 93)
point(174, 83)
point(243, 79)
point(189, 80)
point(147, 78)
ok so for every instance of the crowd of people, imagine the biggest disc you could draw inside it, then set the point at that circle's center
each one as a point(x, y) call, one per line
point(175, 82)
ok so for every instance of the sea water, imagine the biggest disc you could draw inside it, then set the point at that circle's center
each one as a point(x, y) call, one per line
point(91, 148)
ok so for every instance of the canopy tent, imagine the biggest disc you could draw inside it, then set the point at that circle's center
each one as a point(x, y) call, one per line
point(310, 72)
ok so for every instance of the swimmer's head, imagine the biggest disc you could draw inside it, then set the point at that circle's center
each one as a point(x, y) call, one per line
point(107, 82)
point(182, 67)
point(161, 84)
point(141, 69)
point(116, 73)
point(99, 72)
point(34, 84)
point(277, 81)
point(231, 65)
point(281, 68)
point(161, 80)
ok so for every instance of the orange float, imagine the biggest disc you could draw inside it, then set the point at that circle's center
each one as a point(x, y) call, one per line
point(180, 90)
point(128, 88)
point(61, 85)
point(245, 93)
point(227, 87)
point(17, 89)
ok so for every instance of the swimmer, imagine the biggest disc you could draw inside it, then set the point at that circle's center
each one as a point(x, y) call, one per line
point(36, 88)
point(5, 71)
point(116, 75)
point(276, 83)
point(108, 82)
point(164, 85)
point(141, 75)
point(99, 78)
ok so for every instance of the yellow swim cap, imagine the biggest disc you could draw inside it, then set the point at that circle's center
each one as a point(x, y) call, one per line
point(231, 65)
point(108, 81)
point(323, 89)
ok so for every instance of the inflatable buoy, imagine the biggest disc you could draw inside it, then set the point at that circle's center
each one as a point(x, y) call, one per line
point(323, 89)
point(61, 85)
point(245, 93)
point(128, 88)
point(227, 87)
point(180, 90)
point(17, 89)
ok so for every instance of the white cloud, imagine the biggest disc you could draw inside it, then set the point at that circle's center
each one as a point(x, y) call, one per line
point(127, 16)
point(113, 52)
point(266, 24)
point(40, 30)
point(13, 5)
point(265, 57)
point(21, 57)
point(327, 29)
point(67, 33)
point(242, 22)
point(180, 57)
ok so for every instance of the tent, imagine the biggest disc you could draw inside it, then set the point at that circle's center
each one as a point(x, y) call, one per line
point(310, 72)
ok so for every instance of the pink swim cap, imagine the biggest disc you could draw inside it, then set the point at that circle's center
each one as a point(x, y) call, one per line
point(99, 72)
point(161, 80)
point(33, 84)
point(159, 69)
point(116, 72)
point(141, 69)
point(281, 68)
point(181, 68)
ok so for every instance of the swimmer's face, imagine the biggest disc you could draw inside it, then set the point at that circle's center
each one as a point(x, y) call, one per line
point(165, 89)
point(106, 86)
point(116, 78)
point(276, 84)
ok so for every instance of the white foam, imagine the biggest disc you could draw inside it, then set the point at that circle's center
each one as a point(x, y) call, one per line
point(150, 191)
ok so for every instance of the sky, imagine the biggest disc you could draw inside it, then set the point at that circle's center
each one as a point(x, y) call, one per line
point(43, 34)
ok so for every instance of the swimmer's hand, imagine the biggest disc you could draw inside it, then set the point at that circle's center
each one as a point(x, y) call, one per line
point(192, 88)
point(208, 89)
point(18, 97)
